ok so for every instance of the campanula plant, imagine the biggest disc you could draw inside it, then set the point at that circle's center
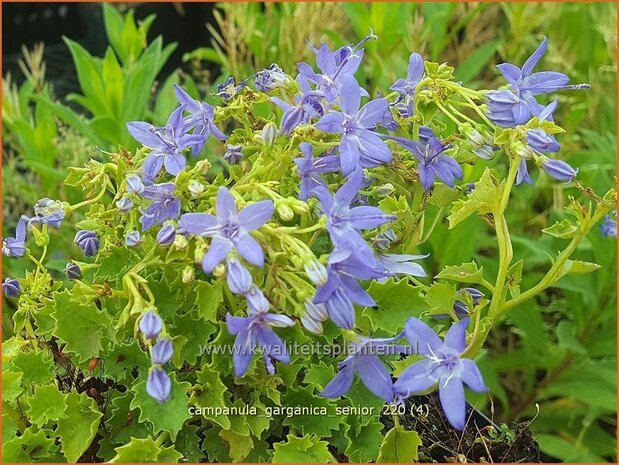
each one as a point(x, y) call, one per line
point(201, 289)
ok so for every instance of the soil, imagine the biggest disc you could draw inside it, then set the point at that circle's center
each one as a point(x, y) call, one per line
point(481, 440)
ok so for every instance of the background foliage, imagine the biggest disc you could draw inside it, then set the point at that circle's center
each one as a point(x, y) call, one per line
point(558, 351)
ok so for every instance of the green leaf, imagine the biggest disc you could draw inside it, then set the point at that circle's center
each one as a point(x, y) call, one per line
point(211, 392)
point(514, 276)
point(441, 298)
point(123, 422)
point(563, 229)
point(397, 301)
point(113, 80)
point(365, 444)
point(209, 297)
point(169, 416)
point(188, 444)
point(11, 385)
point(32, 446)
point(79, 426)
point(465, 273)
point(47, 404)
point(145, 451)
point(114, 266)
point(306, 449)
point(399, 446)
point(82, 327)
point(193, 334)
point(36, 367)
point(321, 425)
point(239, 445)
point(482, 200)
point(579, 267)
point(566, 337)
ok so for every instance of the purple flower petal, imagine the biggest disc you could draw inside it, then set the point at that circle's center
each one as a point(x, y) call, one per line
point(250, 250)
point(225, 203)
point(376, 377)
point(200, 224)
point(421, 337)
point(255, 215)
point(415, 378)
point(532, 61)
point(340, 385)
point(471, 376)
point(216, 254)
point(453, 402)
point(456, 335)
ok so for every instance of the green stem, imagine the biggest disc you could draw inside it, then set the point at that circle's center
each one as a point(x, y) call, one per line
point(99, 196)
point(505, 257)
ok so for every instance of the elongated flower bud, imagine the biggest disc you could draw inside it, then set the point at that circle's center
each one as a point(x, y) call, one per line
point(11, 287)
point(150, 325)
point(558, 169)
point(166, 234)
point(162, 351)
point(238, 277)
point(158, 385)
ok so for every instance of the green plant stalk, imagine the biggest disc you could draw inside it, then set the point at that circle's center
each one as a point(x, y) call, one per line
point(480, 332)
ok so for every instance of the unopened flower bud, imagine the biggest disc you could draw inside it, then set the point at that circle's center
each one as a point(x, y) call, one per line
point(133, 238)
point(199, 253)
point(195, 188)
point(238, 277)
point(269, 133)
point(134, 184)
point(158, 385)
point(188, 274)
point(234, 154)
point(203, 166)
point(316, 311)
point(73, 271)
point(285, 212)
point(87, 241)
point(11, 287)
point(166, 234)
point(524, 151)
point(558, 169)
point(180, 242)
point(313, 326)
point(316, 272)
point(485, 152)
point(162, 351)
point(124, 204)
point(150, 325)
point(256, 301)
point(219, 270)
point(385, 190)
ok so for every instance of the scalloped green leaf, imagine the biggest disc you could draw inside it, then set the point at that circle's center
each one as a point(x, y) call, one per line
point(168, 416)
point(145, 451)
point(82, 327)
point(306, 449)
point(47, 404)
point(79, 426)
point(399, 446)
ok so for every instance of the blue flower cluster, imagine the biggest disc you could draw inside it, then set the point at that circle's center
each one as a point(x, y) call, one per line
point(516, 105)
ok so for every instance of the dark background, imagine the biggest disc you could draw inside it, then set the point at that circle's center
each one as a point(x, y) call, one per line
point(30, 23)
